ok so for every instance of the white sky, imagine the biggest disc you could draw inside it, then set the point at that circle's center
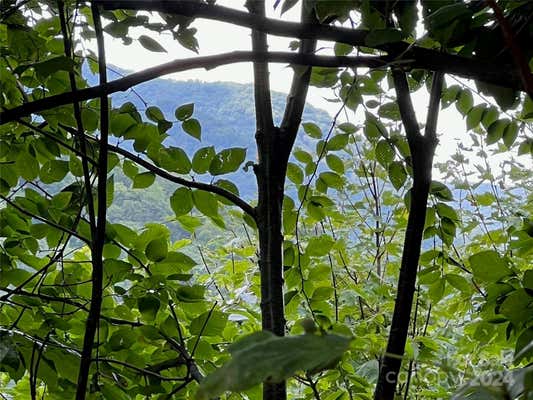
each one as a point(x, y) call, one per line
point(216, 37)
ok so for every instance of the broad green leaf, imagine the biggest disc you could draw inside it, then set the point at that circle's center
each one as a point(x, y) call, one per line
point(202, 159)
point(312, 130)
point(446, 211)
point(227, 160)
point(181, 201)
point(192, 127)
point(27, 166)
point(184, 112)
point(148, 306)
point(155, 114)
point(157, 249)
point(303, 156)
point(496, 129)
point(335, 163)
point(331, 179)
point(384, 152)
point(337, 142)
point(295, 173)
point(130, 169)
point(174, 159)
point(209, 324)
point(190, 294)
point(143, 180)
point(347, 127)
point(441, 191)
point(54, 171)
point(274, 359)
point(465, 102)
point(458, 282)
point(319, 245)
point(206, 203)
point(150, 44)
point(488, 266)
point(397, 174)
point(473, 119)
point(390, 111)
point(510, 134)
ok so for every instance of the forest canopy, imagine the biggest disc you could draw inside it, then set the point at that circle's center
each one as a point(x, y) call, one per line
point(177, 240)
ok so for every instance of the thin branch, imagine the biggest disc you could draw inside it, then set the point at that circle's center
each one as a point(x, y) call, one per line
point(207, 62)
point(239, 202)
point(142, 371)
point(429, 59)
point(97, 277)
point(79, 135)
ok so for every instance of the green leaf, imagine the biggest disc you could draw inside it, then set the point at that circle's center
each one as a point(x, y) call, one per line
point(181, 201)
point(54, 171)
point(335, 163)
point(510, 134)
point(154, 114)
point(374, 129)
point(397, 174)
point(27, 166)
point(337, 142)
point(465, 102)
point(202, 159)
point(473, 119)
point(312, 130)
point(149, 306)
point(384, 153)
point(496, 129)
point(458, 282)
point(441, 191)
point(228, 160)
point(130, 169)
point(206, 203)
point(209, 324)
point(157, 250)
point(150, 44)
point(190, 294)
point(184, 112)
point(319, 245)
point(303, 156)
point(295, 173)
point(143, 180)
point(267, 357)
point(192, 127)
point(390, 111)
point(52, 65)
point(445, 211)
point(377, 37)
point(488, 266)
point(174, 159)
point(331, 179)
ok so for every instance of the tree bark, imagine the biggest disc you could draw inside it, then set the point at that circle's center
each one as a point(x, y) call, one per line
point(422, 150)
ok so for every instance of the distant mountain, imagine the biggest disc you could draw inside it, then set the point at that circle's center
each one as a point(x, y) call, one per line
point(227, 116)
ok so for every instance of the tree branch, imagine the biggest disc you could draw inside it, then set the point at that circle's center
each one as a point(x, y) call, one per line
point(239, 202)
point(44, 220)
point(207, 62)
point(499, 74)
point(97, 277)
point(422, 150)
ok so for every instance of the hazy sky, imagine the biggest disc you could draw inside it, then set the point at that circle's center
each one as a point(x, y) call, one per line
point(215, 37)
